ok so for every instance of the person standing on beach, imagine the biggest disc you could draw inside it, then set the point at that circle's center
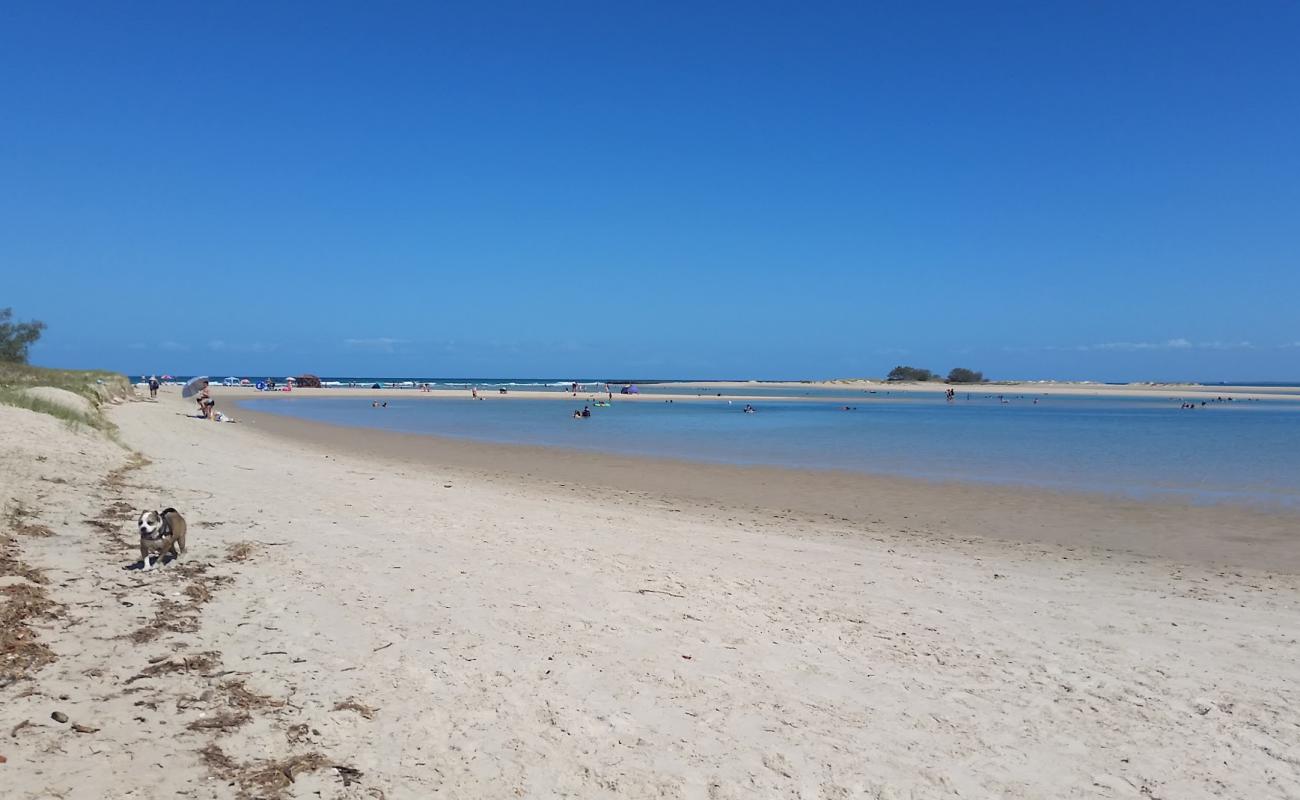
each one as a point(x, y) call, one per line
point(153, 387)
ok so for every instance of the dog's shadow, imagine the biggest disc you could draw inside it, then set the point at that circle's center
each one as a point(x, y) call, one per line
point(138, 566)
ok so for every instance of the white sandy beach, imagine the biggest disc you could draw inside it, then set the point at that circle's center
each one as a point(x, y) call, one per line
point(402, 631)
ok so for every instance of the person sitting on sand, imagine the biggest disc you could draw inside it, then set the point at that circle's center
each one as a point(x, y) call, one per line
point(206, 403)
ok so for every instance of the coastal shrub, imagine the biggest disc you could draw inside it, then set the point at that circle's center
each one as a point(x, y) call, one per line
point(911, 374)
point(307, 381)
point(17, 337)
point(963, 375)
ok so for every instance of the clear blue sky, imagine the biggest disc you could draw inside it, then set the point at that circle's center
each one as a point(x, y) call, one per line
point(1075, 190)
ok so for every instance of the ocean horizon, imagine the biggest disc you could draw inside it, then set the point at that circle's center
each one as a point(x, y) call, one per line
point(400, 381)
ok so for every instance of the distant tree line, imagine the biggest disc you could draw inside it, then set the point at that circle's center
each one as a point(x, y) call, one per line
point(17, 337)
point(956, 375)
point(911, 374)
point(963, 375)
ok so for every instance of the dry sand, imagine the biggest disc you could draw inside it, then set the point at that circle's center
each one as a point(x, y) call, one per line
point(392, 628)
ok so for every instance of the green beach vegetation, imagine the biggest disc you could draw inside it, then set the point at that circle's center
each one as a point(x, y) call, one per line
point(17, 337)
point(955, 375)
point(26, 386)
point(902, 373)
point(963, 375)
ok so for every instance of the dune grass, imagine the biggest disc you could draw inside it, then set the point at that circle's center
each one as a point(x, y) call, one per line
point(15, 397)
point(95, 385)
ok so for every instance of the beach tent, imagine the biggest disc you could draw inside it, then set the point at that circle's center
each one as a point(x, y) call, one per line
point(630, 389)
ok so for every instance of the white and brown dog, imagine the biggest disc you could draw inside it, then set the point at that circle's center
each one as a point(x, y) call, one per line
point(161, 532)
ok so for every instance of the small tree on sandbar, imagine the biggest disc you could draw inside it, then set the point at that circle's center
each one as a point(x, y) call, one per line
point(911, 374)
point(963, 375)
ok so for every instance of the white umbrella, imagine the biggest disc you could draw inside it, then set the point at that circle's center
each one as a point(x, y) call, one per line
point(194, 385)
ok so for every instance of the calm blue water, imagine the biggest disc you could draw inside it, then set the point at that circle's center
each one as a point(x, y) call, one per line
point(1243, 451)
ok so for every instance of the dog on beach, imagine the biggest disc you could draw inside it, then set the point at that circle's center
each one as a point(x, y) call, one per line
point(161, 532)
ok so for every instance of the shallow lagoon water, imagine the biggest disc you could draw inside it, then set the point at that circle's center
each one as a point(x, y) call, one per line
point(1241, 451)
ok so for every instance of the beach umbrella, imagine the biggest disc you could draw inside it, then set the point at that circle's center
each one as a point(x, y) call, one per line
point(194, 385)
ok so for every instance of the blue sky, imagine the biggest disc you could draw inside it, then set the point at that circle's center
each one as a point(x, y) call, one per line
point(1088, 190)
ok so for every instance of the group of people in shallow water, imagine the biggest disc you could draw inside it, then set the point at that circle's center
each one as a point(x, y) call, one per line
point(950, 395)
point(1219, 399)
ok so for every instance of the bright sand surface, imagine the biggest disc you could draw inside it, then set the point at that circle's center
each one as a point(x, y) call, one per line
point(460, 620)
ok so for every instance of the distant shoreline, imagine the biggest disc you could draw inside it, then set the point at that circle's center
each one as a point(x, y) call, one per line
point(693, 390)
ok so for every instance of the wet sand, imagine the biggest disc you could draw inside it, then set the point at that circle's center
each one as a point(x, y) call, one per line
point(1219, 534)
